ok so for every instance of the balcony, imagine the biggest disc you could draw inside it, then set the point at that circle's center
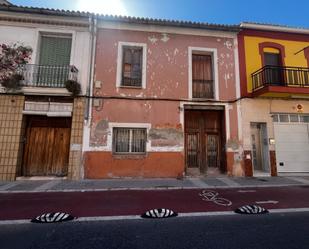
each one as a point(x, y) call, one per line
point(273, 81)
point(47, 76)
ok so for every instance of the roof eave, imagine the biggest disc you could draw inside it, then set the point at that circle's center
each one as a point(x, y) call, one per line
point(267, 27)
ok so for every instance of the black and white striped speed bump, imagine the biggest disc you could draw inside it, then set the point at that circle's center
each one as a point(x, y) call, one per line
point(251, 209)
point(159, 213)
point(52, 217)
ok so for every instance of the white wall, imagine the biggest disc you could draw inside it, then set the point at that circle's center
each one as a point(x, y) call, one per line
point(260, 110)
point(29, 36)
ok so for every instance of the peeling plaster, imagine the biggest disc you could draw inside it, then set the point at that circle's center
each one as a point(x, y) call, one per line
point(226, 78)
point(176, 51)
point(233, 144)
point(165, 38)
point(101, 132)
point(140, 95)
point(162, 137)
point(228, 45)
point(152, 39)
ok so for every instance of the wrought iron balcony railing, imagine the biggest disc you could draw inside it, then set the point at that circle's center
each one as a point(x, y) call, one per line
point(47, 75)
point(280, 76)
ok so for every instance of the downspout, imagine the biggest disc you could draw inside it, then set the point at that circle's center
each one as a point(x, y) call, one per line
point(93, 31)
point(89, 94)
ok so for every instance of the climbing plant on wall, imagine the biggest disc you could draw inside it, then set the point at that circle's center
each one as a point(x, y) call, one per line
point(12, 57)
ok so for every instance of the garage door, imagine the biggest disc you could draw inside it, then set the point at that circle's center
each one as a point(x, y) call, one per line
point(292, 147)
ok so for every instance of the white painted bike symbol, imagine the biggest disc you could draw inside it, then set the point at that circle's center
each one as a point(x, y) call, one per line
point(209, 195)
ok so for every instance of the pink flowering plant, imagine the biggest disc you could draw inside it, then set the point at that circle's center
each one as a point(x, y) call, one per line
point(12, 58)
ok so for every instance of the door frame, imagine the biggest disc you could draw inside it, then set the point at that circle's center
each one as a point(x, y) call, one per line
point(264, 147)
point(222, 135)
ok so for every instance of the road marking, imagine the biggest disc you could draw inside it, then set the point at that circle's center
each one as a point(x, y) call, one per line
point(137, 217)
point(267, 202)
point(210, 195)
point(14, 222)
point(246, 191)
point(228, 181)
point(47, 185)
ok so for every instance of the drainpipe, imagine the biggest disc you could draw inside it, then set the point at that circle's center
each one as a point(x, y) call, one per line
point(93, 31)
point(87, 115)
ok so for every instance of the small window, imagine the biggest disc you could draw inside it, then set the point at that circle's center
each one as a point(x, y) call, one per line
point(304, 119)
point(294, 118)
point(129, 140)
point(132, 63)
point(275, 118)
point(284, 118)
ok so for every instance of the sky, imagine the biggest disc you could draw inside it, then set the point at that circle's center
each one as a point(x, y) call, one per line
point(292, 13)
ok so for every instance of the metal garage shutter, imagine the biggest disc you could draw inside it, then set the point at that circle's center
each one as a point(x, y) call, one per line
point(292, 147)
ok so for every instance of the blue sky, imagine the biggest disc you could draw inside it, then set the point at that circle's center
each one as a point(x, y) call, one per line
point(292, 13)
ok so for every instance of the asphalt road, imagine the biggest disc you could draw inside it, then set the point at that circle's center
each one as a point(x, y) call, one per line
point(234, 231)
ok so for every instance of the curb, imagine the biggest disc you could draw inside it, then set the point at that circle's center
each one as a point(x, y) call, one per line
point(149, 189)
point(138, 217)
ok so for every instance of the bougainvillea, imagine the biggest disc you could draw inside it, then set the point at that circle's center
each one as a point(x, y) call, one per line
point(12, 57)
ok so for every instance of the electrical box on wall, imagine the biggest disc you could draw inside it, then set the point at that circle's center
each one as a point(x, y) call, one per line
point(96, 103)
point(272, 141)
point(98, 84)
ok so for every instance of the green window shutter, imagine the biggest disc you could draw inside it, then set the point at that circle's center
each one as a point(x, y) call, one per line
point(55, 50)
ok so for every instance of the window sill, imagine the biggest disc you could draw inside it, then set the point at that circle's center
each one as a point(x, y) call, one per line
point(131, 87)
point(203, 99)
point(129, 156)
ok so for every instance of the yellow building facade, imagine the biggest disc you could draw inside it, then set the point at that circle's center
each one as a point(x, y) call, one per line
point(274, 105)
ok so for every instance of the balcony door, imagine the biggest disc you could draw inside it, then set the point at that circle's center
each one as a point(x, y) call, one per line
point(54, 60)
point(202, 76)
point(273, 73)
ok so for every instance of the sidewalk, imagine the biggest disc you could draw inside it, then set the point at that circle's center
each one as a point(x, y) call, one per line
point(22, 186)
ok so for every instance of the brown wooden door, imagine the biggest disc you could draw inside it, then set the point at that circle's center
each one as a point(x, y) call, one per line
point(273, 74)
point(213, 150)
point(47, 145)
point(203, 139)
point(202, 76)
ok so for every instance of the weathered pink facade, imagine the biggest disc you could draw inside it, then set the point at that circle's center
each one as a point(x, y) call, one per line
point(160, 105)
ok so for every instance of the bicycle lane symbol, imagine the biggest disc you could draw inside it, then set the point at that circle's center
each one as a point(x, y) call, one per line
point(212, 196)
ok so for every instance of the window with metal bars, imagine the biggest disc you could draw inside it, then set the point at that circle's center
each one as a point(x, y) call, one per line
point(202, 76)
point(129, 140)
point(132, 63)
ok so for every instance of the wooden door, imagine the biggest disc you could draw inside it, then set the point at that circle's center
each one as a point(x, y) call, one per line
point(47, 144)
point(212, 150)
point(274, 73)
point(203, 139)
